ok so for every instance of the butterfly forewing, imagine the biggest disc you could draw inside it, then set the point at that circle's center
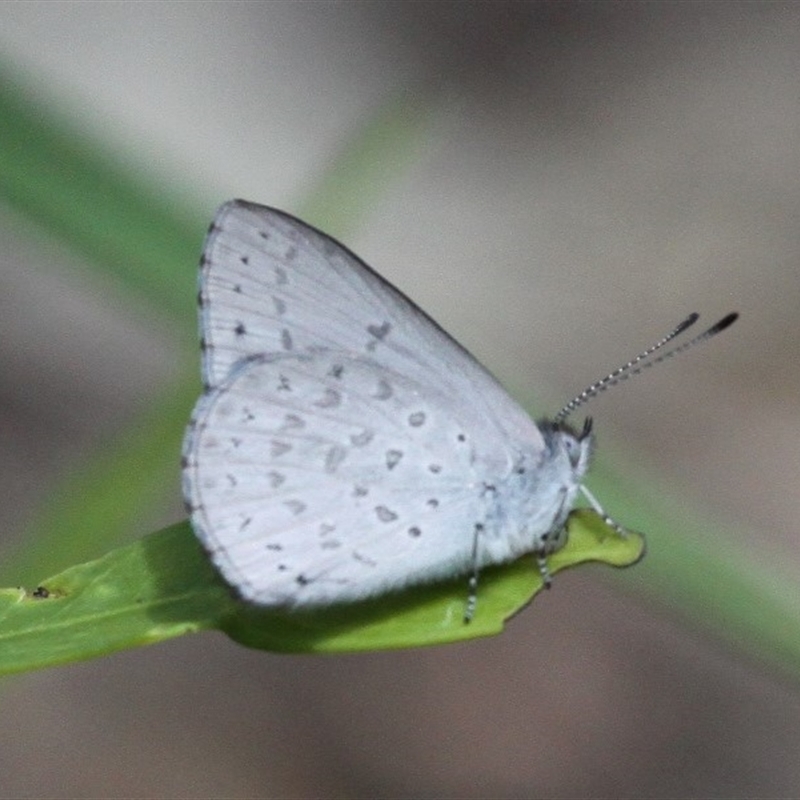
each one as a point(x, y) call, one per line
point(272, 284)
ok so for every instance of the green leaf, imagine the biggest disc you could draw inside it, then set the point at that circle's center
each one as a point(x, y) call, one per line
point(163, 586)
point(157, 588)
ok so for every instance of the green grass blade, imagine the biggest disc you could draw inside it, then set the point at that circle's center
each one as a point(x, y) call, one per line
point(699, 572)
point(367, 166)
point(74, 188)
point(121, 489)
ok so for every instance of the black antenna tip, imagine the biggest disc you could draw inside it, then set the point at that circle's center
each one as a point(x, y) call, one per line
point(725, 322)
point(687, 323)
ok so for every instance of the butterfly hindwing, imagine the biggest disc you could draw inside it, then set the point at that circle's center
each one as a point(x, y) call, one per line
point(318, 477)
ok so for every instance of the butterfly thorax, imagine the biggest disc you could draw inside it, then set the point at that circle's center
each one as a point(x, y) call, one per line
point(537, 497)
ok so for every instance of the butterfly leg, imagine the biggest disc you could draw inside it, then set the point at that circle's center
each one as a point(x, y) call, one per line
point(472, 585)
point(599, 509)
point(541, 563)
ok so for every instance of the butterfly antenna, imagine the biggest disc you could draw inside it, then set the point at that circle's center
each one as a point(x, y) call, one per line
point(640, 363)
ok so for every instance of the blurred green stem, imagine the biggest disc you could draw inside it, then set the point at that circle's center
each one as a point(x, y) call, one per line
point(150, 241)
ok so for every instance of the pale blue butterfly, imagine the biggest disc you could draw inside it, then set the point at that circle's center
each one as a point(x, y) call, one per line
point(345, 445)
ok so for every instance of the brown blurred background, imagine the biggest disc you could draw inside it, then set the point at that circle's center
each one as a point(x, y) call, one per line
point(597, 171)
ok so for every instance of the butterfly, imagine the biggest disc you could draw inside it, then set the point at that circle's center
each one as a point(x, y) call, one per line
point(345, 446)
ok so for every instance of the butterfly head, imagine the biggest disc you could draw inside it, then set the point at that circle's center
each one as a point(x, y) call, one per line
point(570, 448)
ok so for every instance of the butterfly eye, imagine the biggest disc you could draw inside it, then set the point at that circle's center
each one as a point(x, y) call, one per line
point(574, 449)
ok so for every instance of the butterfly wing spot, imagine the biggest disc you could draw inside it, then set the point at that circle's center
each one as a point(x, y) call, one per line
point(273, 546)
point(362, 559)
point(383, 391)
point(379, 332)
point(231, 479)
point(291, 254)
point(275, 479)
point(435, 468)
point(278, 448)
point(210, 482)
point(225, 410)
point(334, 457)
point(393, 458)
point(363, 438)
point(296, 506)
point(292, 422)
point(239, 329)
point(281, 278)
point(336, 371)
point(330, 399)
point(284, 385)
point(433, 503)
point(360, 491)
point(286, 340)
point(243, 260)
point(385, 514)
point(279, 305)
point(415, 532)
point(325, 529)
point(416, 419)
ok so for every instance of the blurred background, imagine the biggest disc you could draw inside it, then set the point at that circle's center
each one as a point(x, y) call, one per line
point(558, 184)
